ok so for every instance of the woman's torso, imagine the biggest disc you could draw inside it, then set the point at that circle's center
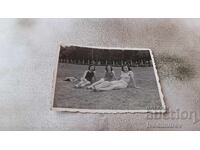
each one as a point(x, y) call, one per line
point(125, 76)
point(89, 75)
point(109, 76)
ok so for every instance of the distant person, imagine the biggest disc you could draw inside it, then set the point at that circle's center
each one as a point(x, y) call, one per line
point(88, 76)
point(109, 76)
point(126, 78)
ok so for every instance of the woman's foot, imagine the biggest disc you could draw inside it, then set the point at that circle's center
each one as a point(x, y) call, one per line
point(77, 86)
point(137, 87)
point(90, 87)
point(94, 89)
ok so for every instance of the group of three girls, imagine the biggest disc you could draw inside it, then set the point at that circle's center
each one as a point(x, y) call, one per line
point(109, 82)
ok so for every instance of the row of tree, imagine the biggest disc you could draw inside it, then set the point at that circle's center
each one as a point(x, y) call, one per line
point(85, 56)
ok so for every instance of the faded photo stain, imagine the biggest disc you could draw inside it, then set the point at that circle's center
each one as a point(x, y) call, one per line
point(172, 66)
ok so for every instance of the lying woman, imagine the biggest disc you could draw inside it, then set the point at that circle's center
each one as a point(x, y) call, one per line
point(109, 76)
point(126, 78)
point(87, 78)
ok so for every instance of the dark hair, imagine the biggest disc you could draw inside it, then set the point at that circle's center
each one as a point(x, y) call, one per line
point(91, 66)
point(106, 68)
point(129, 69)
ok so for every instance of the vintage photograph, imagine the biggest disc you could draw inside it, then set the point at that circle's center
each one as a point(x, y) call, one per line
point(100, 74)
point(107, 80)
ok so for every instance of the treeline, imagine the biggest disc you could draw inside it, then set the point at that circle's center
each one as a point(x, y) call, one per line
point(85, 56)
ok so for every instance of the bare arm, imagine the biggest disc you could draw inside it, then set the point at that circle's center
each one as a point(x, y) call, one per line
point(95, 76)
point(84, 74)
point(133, 80)
point(114, 76)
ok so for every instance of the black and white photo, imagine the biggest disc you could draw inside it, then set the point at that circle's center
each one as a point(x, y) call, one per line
point(107, 80)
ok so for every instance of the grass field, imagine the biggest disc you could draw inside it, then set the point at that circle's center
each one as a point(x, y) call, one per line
point(145, 97)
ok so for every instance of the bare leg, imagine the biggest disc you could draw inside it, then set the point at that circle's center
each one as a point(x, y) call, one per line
point(85, 83)
point(81, 83)
point(96, 83)
point(108, 88)
point(103, 84)
point(78, 84)
point(112, 86)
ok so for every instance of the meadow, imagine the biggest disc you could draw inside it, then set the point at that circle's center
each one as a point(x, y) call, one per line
point(146, 97)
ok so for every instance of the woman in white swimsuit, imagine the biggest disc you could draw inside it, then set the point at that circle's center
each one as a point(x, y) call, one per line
point(126, 77)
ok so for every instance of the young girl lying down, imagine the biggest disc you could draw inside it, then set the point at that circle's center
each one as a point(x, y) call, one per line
point(126, 78)
point(87, 78)
point(109, 76)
